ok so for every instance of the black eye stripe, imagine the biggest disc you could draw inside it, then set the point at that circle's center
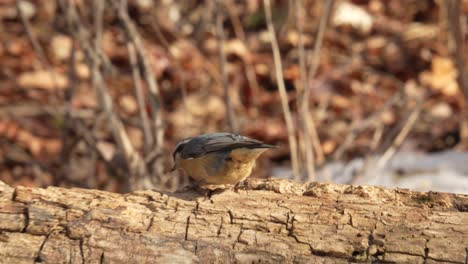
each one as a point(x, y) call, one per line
point(180, 146)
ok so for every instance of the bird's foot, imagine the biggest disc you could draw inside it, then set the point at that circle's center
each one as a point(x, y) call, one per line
point(239, 186)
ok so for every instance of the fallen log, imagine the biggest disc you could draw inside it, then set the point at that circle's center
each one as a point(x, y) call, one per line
point(269, 221)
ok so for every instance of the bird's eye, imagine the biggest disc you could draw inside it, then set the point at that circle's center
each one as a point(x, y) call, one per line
point(228, 158)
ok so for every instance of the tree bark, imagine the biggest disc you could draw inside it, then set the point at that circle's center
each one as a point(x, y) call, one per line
point(268, 221)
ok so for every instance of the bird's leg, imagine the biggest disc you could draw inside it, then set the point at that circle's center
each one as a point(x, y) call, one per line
point(187, 188)
point(194, 186)
point(240, 185)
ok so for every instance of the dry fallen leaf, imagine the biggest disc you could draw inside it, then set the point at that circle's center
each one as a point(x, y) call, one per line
point(349, 14)
point(261, 69)
point(42, 79)
point(236, 47)
point(292, 72)
point(442, 77)
point(441, 110)
point(328, 146)
point(39, 147)
point(17, 47)
point(106, 149)
point(340, 101)
point(51, 147)
point(136, 137)
point(128, 104)
point(387, 117)
point(292, 38)
point(11, 131)
point(82, 71)
point(200, 114)
point(60, 47)
point(84, 98)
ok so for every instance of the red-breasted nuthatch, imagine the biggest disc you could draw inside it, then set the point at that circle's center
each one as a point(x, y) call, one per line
point(218, 158)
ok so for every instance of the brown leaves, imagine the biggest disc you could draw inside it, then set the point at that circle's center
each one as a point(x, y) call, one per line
point(196, 110)
point(372, 51)
point(39, 147)
point(442, 76)
point(43, 79)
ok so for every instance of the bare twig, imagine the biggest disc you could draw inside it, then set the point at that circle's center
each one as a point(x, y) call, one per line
point(400, 137)
point(67, 120)
point(396, 139)
point(209, 67)
point(457, 22)
point(117, 128)
point(232, 124)
point(368, 122)
point(147, 135)
point(178, 66)
point(98, 13)
point(456, 33)
point(376, 139)
point(307, 122)
point(311, 75)
point(139, 176)
point(240, 34)
point(82, 131)
point(155, 100)
point(282, 91)
point(36, 45)
point(319, 40)
point(32, 38)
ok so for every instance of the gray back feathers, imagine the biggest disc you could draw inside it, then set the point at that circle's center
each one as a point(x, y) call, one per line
point(198, 146)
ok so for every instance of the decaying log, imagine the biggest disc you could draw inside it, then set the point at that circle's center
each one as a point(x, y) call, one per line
point(270, 221)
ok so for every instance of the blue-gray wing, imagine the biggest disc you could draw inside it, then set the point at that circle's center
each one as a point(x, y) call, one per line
point(203, 144)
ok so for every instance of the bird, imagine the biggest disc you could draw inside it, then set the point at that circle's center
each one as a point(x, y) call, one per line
point(217, 160)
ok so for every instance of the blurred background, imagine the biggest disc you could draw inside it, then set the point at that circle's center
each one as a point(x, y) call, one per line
point(96, 94)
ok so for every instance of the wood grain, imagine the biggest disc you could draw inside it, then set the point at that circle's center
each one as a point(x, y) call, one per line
point(275, 221)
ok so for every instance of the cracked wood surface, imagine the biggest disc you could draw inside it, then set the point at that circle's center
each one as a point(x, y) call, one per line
point(271, 220)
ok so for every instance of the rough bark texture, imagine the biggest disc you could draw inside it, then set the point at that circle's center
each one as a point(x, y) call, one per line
point(272, 221)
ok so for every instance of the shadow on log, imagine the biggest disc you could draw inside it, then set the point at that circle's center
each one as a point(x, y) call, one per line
point(275, 221)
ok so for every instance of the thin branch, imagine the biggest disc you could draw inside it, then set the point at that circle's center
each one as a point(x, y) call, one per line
point(88, 137)
point(282, 91)
point(311, 75)
point(36, 45)
point(388, 154)
point(155, 100)
point(67, 120)
point(147, 135)
point(376, 139)
point(232, 124)
point(209, 67)
point(139, 177)
point(180, 70)
point(32, 38)
point(455, 18)
point(368, 122)
point(98, 16)
point(458, 29)
point(307, 122)
point(319, 40)
point(98, 83)
point(240, 34)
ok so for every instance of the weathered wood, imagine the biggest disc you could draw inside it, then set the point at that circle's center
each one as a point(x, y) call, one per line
point(272, 220)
